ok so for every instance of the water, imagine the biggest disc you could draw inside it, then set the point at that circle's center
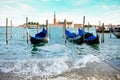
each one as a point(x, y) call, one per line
point(54, 57)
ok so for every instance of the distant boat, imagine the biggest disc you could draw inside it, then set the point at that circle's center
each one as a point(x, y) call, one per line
point(89, 38)
point(39, 38)
point(73, 37)
point(116, 31)
point(106, 29)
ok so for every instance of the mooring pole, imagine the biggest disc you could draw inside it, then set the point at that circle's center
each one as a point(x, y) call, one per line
point(6, 30)
point(64, 27)
point(102, 33)
point(47, 30)
point(83, 29)
point(37, 27)
point(11, 29)
point(27, 27)
point(88, 26)
point(110, 30)
point(99, 28)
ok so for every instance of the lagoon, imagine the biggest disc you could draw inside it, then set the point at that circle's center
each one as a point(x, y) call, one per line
point(55, 57)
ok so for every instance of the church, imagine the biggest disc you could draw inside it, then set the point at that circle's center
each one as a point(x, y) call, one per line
point(60, 24)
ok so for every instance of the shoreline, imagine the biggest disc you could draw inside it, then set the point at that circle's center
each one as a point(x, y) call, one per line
point(93, 71)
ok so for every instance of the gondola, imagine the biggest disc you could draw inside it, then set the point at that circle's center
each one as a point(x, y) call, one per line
point(105, 29)
point(116, 31)
point(39, 38)
point(89, 37)
point(73, 37)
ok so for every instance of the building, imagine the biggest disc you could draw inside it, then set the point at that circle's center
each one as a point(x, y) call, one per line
point(78, 25)
point(54, 20)
point(60, 23)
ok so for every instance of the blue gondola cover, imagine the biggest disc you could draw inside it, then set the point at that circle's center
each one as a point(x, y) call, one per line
point(41, 34)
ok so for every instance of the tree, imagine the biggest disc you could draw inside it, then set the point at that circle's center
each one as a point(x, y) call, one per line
point(37, 23)
point(86, 25)
point(28, 23)
point(32, 23)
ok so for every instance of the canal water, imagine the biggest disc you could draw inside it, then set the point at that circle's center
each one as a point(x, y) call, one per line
point(54, 57)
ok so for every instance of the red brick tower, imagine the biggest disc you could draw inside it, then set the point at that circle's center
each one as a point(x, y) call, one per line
point(54, 19)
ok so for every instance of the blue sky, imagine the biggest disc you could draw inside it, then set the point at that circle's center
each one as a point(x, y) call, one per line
point(107, 11)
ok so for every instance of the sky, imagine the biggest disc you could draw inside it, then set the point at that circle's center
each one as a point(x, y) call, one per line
point(106, 11)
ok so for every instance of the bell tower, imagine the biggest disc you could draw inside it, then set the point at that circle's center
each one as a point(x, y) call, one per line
point(54, 20)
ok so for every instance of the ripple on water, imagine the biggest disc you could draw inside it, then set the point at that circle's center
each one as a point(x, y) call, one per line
point(52, 58)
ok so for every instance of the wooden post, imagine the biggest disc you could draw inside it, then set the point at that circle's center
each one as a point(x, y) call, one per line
point(88, 26)
point(37, 28)
point(76, 30)
point(24, 31)
point(99, 27)
point(110, 30)
point(47, 30)
point(6, 30)
point(98, 33)
point(65, 25)
point(11, 29)
point(83, 28)
point(102, 39)
point(27, 27)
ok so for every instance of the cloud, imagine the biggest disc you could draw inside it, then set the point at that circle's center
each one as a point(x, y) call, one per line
point(45, 0)
point(109, 7)
point(8, 1)
point(70, 4)
point(79, 2)
point(115, 13)
point(73, 10)
point(15, 10)
point(106, 7)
